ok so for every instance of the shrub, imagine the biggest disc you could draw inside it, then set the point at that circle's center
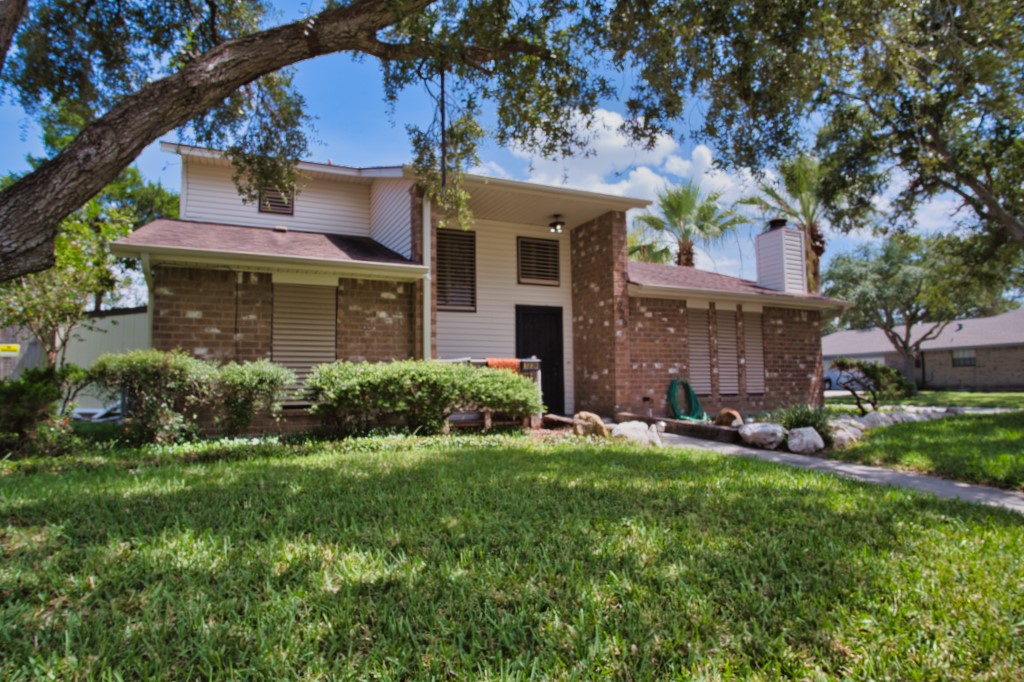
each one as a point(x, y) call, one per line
point(157, 390)
point(28, 402)
point(417, 395)
point(871, 382)
point(800, 416)
point(247, 388)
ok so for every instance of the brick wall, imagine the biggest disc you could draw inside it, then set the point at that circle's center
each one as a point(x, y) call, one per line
point(792, 357)
point(659, 353)
point(600, 313)
point(376, 320)
point(996, 369)
point(212, 314)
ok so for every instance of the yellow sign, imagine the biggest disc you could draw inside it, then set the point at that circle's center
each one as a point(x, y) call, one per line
point(10, 350)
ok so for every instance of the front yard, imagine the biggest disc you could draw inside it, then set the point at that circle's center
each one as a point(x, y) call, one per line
point(493, 558)
point(950, 399)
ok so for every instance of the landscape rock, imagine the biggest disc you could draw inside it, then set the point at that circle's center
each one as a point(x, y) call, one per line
point(653, 436)
point(589, 424)
point(875, 419)
point(727, 417)
point(955, 410)
point(805, 441)
point(635, 432)
point(767, 436)
point(842, 438)
point(852, 427)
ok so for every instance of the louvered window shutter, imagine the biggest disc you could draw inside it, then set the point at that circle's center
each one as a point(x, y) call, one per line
point(699, 350)
point(538, 261)
point(456, 270)
point(728, 352)
point(305, 328)
point(275, 201)
point(753, 345)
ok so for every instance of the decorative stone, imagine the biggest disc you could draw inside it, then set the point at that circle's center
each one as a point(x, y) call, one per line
point(634, 432)
point(588, 424)
point(875, 419)
point(653, 436)
point(804, 441)
point(842, 438)
point(767, 436)
point(726, 417)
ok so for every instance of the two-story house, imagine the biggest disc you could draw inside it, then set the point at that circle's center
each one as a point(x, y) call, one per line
point(338, 271)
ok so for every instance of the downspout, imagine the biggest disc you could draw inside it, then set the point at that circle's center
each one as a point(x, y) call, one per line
point(149, 306)
point(427, 280)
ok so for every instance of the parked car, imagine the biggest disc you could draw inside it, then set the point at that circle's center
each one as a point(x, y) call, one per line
point(838, 379)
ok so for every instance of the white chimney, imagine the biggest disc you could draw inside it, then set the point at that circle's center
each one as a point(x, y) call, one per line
point(780, 258)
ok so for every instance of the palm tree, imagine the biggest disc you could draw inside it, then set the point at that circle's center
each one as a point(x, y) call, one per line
point(687, 217)
point(799, 200)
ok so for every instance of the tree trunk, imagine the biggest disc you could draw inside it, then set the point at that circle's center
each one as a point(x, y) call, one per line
point(32, 208)
point(11, 13)
point(686, 254)
point(814, 248)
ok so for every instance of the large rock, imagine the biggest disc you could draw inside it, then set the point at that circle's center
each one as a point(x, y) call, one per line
point(853, 428)
point(842, 438)
point(767, 436)
point(804, 441)
point(589, 424)
point(637, 432)
point(727, 417)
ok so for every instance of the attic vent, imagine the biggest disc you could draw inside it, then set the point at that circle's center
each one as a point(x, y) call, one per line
point(538, 261)
point(276, 201)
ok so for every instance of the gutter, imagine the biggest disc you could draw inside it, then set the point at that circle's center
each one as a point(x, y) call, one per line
point(679, 293)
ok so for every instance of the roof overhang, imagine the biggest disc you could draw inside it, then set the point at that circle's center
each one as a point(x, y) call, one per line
point(778, 300)
point(250, 262)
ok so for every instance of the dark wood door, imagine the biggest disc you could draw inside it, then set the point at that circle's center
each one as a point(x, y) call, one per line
point(539, 333)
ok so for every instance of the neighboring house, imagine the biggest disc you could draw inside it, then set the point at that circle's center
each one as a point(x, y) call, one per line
point(337, 272)
point(983, 354)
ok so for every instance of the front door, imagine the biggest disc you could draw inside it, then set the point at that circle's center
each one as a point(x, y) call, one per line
point(539, 334)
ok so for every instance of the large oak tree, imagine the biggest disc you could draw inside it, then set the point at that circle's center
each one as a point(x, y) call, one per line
point(929, 88)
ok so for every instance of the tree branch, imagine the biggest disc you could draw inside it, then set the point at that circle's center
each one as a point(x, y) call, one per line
point(11, 14)
point(31, 209)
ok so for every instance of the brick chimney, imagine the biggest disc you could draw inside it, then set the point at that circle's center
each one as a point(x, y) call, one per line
point(780, 258)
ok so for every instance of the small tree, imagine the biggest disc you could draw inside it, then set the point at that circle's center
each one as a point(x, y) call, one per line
point(871, 382)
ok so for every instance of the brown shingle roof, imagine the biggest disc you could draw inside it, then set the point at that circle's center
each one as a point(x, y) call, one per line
point(259, 241)
point(687, 278)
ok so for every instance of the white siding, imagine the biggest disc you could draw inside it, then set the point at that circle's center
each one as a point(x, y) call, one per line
point(338, 207)
point(780, 260)
point(391, 214)
point(491, 330)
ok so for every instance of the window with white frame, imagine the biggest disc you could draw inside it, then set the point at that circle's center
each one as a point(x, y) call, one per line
point(456, 270)
point(538, 261)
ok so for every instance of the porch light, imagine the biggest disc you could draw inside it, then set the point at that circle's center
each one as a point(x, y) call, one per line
point(557, 226)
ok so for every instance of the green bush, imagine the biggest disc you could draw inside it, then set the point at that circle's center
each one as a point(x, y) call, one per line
point(28, 402)
point(871, 382)
point(159, 391)
point(413, 394)
point(245, 389)
point(800, 416)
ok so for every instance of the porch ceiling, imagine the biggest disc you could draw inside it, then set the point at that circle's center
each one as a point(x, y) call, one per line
point(532, 204)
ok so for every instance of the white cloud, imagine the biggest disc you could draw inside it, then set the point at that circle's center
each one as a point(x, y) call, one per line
point(491, 169)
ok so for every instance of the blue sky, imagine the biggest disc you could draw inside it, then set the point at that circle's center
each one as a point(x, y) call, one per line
point(353, 128)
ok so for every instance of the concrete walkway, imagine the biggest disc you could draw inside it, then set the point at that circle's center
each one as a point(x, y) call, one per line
point(979, 494)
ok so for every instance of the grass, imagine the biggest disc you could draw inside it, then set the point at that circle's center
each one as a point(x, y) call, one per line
point(493, 559)
point(977, 448)
point(949, 399)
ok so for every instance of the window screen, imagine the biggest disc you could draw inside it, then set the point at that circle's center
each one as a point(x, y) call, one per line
point(538, 261)
point(456, 270)
point(964, 358)
point(699, 350)
point(304, 328)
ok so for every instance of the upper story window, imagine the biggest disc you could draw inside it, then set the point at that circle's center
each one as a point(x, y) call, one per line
point(964, 358)
point(276, 201)
point(538, 261)
point(456, 270)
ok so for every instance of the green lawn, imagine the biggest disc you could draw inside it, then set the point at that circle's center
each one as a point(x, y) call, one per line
point(950, 399)
point(976, 448)
point(494, 559)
